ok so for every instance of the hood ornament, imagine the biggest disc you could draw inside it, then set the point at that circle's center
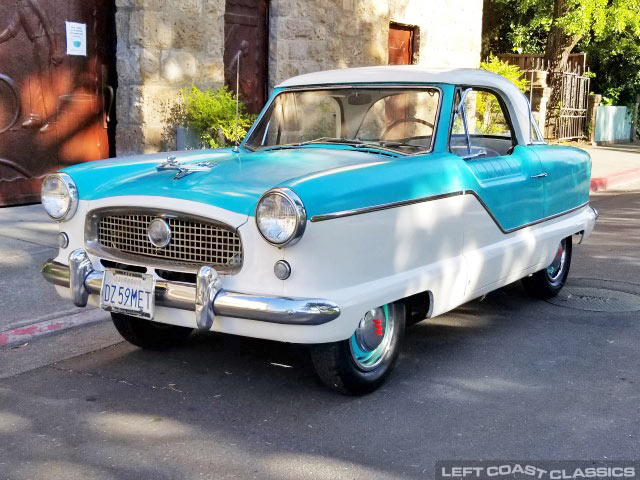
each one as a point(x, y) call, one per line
point(184, 169)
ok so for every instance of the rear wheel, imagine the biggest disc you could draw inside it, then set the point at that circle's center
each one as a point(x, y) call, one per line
point(547, 283)
point(147, 334)
point(362, 363)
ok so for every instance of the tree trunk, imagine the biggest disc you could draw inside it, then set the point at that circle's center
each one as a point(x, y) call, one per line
point(559, 46)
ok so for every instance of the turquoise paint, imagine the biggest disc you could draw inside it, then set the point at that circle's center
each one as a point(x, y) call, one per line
point(506, 187)
point(335, 178)
point(235, 183)
point(510, 194)
point(568, 176)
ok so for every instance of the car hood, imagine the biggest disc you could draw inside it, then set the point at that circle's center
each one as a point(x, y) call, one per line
point(235, 182)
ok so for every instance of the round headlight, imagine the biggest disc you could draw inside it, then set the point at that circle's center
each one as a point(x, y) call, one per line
point(281, 217)
point(59, 196)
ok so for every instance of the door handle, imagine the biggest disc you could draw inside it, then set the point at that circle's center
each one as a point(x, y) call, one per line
point(540, 175)
point(112, 95)
point(108, 106)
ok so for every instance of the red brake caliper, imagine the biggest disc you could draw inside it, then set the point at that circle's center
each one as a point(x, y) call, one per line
point(377, 326)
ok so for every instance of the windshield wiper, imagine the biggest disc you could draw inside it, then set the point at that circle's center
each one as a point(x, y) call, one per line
point(336, 140)
point(351, 142)
point(346, 141)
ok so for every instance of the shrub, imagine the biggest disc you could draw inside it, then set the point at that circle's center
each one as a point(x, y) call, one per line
point(211, 115)
point(506, 70)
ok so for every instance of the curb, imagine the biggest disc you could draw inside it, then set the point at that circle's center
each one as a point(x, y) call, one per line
point(602, 183)
point(28, 333)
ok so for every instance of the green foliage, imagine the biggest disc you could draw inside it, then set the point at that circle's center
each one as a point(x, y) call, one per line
point(506, 70)
point(616, 62)
point(609, 31)
point(212, 115)
point(523, 25)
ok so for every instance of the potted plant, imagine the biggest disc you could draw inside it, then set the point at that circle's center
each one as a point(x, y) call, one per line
point(207, 119)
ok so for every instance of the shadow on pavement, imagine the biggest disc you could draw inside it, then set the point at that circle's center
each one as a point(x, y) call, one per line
point(507, 377)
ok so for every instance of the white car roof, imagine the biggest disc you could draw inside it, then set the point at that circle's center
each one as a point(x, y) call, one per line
point(516, 101)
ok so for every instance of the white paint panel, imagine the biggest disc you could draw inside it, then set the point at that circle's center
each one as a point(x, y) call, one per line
point(450, 247)
point(496, 259)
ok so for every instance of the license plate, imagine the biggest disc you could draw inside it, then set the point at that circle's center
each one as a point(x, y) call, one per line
point(130, 293)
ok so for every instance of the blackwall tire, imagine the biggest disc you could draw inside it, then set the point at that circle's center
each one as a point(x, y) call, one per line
point(147, 334)
point(547, 283)
point(344, 366)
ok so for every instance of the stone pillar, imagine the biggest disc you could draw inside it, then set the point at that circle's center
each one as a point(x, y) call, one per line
point(163, 46)
point(539, 101)
point(594, 101)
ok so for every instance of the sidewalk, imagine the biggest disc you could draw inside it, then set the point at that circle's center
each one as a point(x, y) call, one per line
point(614, 165)
point(29, 306)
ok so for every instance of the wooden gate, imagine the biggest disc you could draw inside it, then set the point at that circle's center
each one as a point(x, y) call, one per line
point(570, 121)
point(53, 106)
point(246, 30)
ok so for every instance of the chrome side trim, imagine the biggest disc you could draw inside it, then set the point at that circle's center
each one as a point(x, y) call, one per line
point(385, 206)
point(530, 224)
point(263, 308)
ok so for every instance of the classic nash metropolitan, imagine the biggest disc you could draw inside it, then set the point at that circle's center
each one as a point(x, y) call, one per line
point(360, 200)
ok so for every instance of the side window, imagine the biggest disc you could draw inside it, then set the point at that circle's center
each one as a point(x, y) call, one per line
point(480, 128)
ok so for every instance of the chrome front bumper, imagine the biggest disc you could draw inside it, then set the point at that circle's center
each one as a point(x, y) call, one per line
point(206, 298)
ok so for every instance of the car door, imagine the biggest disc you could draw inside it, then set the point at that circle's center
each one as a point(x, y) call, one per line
point(504, 187)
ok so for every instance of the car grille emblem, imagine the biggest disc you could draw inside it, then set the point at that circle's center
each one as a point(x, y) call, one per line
point(159, 233)
point(184, 169)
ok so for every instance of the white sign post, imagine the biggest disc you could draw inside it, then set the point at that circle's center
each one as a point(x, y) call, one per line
point(76, 38)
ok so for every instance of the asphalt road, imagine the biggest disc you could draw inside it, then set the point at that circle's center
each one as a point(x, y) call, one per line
point(503, 378)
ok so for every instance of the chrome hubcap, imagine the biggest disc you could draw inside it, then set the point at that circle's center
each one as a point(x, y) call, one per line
point(554, 271)
point(372, 338)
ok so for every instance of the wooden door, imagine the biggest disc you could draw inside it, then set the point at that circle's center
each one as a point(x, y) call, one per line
point(53, 106)
point(246, 31)
point(401, 44)
point(401, 51)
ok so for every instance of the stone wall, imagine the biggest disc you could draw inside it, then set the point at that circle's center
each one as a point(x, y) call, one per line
point(164, 45)
point(307, 36)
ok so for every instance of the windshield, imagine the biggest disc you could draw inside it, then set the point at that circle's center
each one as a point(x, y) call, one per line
point(400, 119)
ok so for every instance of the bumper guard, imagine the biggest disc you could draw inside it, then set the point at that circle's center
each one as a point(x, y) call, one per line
point(206, 298)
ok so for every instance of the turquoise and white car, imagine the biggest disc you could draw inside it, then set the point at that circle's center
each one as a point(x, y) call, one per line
point(361, 200)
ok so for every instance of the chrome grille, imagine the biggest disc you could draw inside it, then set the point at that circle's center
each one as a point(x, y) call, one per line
point(193, 242)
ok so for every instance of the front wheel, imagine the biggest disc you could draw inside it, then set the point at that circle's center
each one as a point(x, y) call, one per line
point(547, 283)
point(147, 334)
point(362, 363)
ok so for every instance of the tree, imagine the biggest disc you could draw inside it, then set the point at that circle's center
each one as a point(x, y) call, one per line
point(564, 25)
point(615, 60)
point(575, 20)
